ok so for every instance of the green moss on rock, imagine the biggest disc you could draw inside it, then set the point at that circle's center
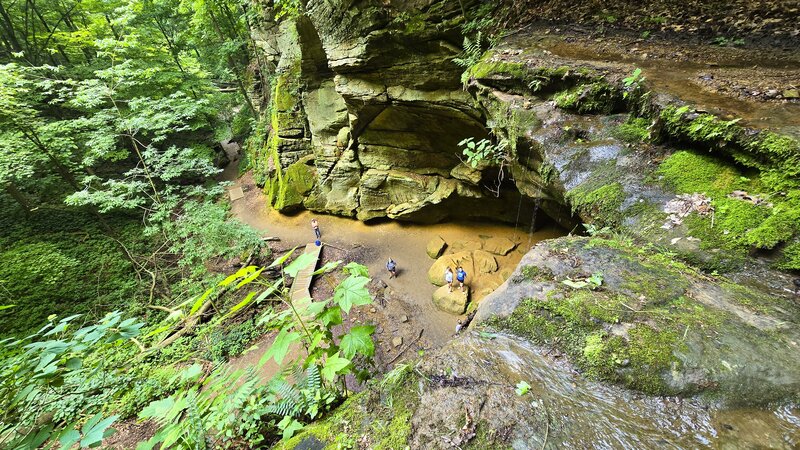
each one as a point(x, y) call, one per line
point(633, 130)
point(599, 206)
point(654, 324)
point(593, 98)
point(288, 189)
point(736, 225)
point(380, 415)
point(791, 257)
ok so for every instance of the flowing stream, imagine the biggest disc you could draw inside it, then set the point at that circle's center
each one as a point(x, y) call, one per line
point(587, 414)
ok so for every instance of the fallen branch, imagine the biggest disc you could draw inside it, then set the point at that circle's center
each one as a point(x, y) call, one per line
point(406, 348)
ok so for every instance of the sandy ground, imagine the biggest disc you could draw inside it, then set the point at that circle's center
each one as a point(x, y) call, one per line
point(405, 243)
point(403, 306)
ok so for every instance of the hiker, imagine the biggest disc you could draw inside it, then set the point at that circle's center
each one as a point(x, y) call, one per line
point(461, 276)
point(448, 278)
point(391, 266)
point(797, 286)
point(315, 226)
point(459, 326)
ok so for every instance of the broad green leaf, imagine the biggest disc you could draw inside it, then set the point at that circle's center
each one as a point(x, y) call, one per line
point(69, 438)
point(241, 273)
point(95, 430)
point(74, 363)
point(308, 308)
point(269, 291)
point(247, 300)
point(282, 259)
point(280, 346)
point(522, 388)
point(333, 365)
point(300, 263)
point(158, 330)
point(358, 340)
point(36, 440)
point(289, 426)
point(250, 278)
point(192, 372)
point(331, 316)
point(354, 268)
point(158, 409)
point(329, 266)
point(352, 292)
point(200, 300)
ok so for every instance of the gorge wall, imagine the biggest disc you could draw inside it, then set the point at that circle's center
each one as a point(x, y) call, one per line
point(692, 199)
point(367, 110)
point(368, 105)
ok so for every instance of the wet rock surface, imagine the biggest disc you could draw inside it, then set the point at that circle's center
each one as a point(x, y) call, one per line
point(473, 379)
point(652, 324)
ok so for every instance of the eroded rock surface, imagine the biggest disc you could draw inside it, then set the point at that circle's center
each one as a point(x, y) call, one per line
point(653, 324)
point(454, 302)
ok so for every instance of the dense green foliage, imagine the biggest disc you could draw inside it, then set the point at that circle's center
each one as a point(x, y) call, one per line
point(97, 373)
point(59, 261)
point(115, 107)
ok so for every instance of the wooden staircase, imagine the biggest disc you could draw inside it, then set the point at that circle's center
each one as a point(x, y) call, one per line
point(302, 283)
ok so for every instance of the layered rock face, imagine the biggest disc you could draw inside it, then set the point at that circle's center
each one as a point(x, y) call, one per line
point(366, 113)
point(367, 110)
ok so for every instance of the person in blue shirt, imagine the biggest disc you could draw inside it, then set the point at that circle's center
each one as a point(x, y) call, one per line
point(461, 276)
point(391, 266)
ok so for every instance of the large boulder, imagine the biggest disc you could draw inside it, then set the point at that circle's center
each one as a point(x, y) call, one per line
point(652, 324)
point(435, 247)
point(371, 92)
point(454, 302)
point(499, 245)
point(483, 262)
point(463, 259)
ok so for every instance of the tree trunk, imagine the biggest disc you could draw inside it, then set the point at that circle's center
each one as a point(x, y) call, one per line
point(19, 198)
point(8, 25)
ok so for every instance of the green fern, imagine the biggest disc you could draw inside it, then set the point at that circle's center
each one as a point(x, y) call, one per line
point(473, 50)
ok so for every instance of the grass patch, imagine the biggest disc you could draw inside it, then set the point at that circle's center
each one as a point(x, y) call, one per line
point(633, 131)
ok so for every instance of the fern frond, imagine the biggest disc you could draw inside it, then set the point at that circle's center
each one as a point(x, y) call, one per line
point(285, 407)
point(313, 378)
point(287, 391)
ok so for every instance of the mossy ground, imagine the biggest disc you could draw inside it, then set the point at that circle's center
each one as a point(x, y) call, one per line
point(635, 129)
point(379, 416)
point(629, 334)
point(736, 225)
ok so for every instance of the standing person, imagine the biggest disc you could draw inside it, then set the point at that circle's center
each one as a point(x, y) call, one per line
point(448, 277)
point(461, 276)
point(315, 226)
point(391, 266)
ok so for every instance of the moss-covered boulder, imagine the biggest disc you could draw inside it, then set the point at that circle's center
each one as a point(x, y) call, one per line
point(288, 189)
point(633, 315)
